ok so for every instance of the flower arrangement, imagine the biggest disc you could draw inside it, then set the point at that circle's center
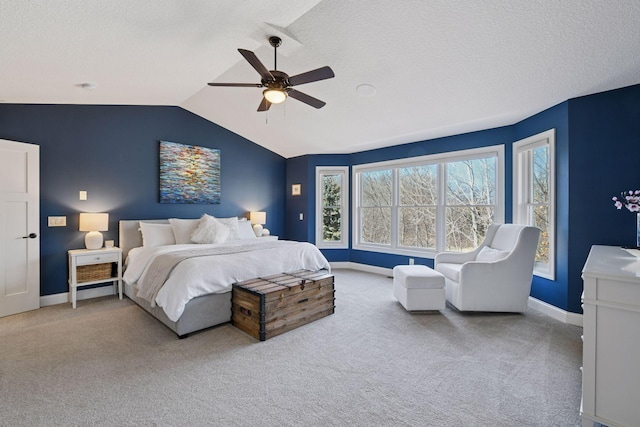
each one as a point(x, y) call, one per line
point(629, 199)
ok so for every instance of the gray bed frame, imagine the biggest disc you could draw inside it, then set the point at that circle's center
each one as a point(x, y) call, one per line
point(200, 313)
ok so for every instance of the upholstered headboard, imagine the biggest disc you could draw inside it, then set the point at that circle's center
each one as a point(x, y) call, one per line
point(129, 235)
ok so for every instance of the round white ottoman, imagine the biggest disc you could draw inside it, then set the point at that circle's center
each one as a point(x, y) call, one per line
point(418, 287)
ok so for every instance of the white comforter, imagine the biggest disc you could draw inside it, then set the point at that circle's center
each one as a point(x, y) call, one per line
point(215, 274)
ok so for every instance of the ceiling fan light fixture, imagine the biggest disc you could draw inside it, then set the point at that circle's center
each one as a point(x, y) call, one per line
point(275, 96)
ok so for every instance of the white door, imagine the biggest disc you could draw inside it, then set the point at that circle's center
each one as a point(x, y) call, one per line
point(19, 227)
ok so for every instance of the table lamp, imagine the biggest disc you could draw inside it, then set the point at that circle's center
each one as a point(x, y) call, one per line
point(94, 223)
point(258, 219)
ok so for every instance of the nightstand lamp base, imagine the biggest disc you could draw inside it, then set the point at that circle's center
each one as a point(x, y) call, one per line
point(93, 240)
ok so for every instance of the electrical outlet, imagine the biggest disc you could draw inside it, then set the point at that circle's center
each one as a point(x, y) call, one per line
point(410, 261)
point(301, 216)
point(57, 221)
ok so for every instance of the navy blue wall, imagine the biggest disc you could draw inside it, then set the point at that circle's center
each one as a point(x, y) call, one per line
point(302, 170)
point(297, 173)
point(604, 150)
point(112, 152)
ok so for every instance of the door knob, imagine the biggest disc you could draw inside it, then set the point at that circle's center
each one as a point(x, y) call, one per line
point(30, 236)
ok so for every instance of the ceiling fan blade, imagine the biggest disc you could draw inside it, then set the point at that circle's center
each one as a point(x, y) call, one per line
point(255, 63)
point(310, 100)
point(312, 76)
point(264, 105)
point(236, 84)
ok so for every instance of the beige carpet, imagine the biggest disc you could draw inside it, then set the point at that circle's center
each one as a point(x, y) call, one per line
point(370, 364)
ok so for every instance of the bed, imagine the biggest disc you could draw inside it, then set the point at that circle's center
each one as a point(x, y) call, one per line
point(195, 294)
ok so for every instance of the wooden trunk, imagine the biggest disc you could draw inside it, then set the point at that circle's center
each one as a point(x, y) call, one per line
point(269, 306)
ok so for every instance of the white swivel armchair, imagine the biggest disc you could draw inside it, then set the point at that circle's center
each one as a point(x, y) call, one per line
point(497, 275)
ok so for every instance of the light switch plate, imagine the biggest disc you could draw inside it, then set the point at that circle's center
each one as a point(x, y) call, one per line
point(83, 195)
point(57, 221)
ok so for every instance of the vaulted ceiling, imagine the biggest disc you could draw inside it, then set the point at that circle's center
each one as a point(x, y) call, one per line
point(437, 67)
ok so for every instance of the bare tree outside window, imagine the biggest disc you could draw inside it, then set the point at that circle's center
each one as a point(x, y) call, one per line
point(375, 206)
point(470, 202)
point(430, 203)
point(418, 203)
point(540, 200)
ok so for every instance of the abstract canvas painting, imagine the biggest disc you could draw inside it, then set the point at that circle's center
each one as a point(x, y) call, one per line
point(189, 174)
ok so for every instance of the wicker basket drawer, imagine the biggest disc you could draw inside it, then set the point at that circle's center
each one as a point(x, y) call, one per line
point(90, 273)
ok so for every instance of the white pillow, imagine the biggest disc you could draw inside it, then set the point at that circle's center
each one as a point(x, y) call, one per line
point(232, 223)
point(245, 230)
point(183, 228)
point(210, 230)
point(156, 234)
point(488, 254)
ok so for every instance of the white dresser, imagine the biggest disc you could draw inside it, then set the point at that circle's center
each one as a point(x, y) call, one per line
point(611, 351)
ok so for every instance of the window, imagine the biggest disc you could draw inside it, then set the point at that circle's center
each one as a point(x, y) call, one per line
point(421, 206)
point(332, 208)
point(534, 194)
point(470, 202)
point(375, 206)
point(417, 206)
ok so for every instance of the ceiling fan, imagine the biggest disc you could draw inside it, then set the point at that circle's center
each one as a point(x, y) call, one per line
point(278, 84)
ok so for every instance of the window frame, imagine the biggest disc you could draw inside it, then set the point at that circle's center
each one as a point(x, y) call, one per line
point(522, 192)
point(440, 159)
point(344, 207)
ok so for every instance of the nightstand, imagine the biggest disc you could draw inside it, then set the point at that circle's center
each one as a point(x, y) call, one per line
point(91, 266)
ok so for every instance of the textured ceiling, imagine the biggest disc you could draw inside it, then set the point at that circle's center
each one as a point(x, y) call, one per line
point(440, 67)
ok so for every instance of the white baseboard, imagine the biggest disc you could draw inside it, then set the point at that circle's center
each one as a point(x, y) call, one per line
point(363, 267)
point(555, 312)
point(541, 306)
point(82, 294)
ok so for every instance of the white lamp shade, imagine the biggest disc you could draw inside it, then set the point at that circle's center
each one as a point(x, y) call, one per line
point(94, 221)
point(258, 217)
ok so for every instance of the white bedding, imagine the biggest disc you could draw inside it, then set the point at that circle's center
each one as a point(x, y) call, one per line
point(215, 274)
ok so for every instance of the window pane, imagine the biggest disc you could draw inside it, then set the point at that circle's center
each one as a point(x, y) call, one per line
point(540, 175)
point(541, 220)
point(417, 227)
point(331, 190)
point(471, 182)
point(466, 227)
point(331, 208)
point(376, 188)
point(331, 225)
point(418, 185)
point(376, 225)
